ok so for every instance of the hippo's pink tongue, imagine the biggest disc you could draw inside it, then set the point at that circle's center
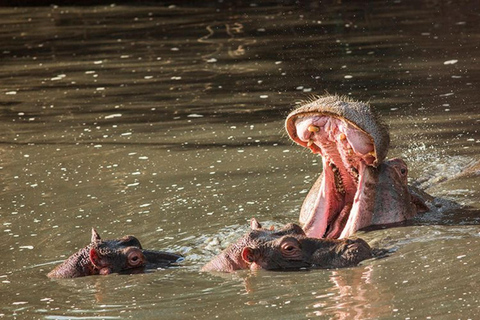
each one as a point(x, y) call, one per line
point(342, 199)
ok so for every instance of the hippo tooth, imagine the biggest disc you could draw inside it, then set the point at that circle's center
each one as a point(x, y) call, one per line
point(313, 128)
point(342, 136)
point(354, 172)
point(310, 143)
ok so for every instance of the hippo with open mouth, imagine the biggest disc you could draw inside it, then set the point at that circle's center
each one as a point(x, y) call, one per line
point(357, 187)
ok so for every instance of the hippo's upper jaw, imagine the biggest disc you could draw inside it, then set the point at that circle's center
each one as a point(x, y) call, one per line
point(353, 144)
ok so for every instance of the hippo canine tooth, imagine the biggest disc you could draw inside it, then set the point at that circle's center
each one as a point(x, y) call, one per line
point(310, 143)
point(313, 128)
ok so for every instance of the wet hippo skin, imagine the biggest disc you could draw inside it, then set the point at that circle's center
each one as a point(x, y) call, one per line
point(103, 257)
point(288, 249)
point(357, 187)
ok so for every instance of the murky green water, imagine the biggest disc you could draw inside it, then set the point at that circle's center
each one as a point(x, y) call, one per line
point(166, 122)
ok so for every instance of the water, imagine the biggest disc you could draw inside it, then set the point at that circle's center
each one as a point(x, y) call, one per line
point(166, 122)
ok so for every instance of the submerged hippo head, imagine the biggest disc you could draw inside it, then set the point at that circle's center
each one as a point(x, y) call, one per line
point(287, 249)
point(357, 188)
point(231, 258)
point(111, 256)
point(300, 252)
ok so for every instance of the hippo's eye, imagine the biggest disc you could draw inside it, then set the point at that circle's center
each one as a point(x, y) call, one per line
point(135, 259)
point(403, 170)
point(290, 248)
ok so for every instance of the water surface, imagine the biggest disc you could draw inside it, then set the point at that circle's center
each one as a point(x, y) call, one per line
point(166, 122)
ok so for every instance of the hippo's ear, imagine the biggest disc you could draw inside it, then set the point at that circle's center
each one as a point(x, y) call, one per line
point(95, 236)
point(95, 258)
point(248, 255)
point(254, 224)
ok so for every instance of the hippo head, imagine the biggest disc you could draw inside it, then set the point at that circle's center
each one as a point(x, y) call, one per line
point(287, 249)
point(296, 252)
point(357, 188)
point(103, 257)
point(111, 256)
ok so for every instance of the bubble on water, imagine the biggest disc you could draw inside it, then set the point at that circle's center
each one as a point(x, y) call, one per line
point(11, 92)
point(59, 77)
point(115, 115)
point(212, 60)
point(447, 94)
point(263, 96)
point(195, 115)
point(450, 62)
point(348, 76)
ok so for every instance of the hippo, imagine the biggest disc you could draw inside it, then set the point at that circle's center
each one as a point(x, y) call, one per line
point(103, 257)
point(288, 249)
point(358, 186)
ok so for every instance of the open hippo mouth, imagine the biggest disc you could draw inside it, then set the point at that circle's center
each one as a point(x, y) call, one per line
point(352, 143)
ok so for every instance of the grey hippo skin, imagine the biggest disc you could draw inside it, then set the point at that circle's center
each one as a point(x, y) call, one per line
point(358, 186)
point(103, 257)
point(288, 249)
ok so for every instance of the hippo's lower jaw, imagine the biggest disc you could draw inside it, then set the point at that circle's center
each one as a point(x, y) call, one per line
point(356, 188)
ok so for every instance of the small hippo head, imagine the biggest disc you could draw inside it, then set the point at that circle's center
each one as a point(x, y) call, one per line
point(111, 256)
point(295, 252)
point(287, 249)
point(277, 254)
